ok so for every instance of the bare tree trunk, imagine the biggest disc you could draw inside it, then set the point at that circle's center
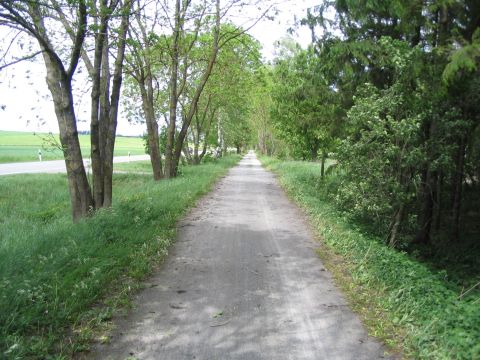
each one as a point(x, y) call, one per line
point(314, 151)
point(397, 220)
point(78, 186)
point(153, 138)
point(186, 152)
point(437, 218)
point(457, 189)
point(204, 149)
point(426, 213)
point(111, 128)
point(152, 131)
point(200, 125)
point(104, 118)
point(95, 127)
point(322, 168)
point(196, 145)
point(144, 78)
point(196, 139)
point(169, 148)
point(427, 189)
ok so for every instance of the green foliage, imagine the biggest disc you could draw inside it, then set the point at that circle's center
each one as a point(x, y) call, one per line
point(416, 309)
point(379, 156)
point(53, 272)
point(406, 81)
point(304, 109)
point(463, 61)
point(229, 90)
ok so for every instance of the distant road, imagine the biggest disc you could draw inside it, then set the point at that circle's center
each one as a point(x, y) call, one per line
point(54, 166)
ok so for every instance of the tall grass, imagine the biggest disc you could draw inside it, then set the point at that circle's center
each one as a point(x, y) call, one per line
point(52, 271)
point(406, 303)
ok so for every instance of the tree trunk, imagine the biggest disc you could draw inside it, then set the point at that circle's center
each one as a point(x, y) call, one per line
point(196, 145)
point(201, 124)
point(314, 151)
point(397, 220)
point(426, 213)
point(457, 189)
point(78, 186)
point(104, 122)
point(427, 192)
point(204, 149)
point(437, 218)
point(95, 126)
point(144, 78)
point(198, 92)
point(111, 128)
point(169, 149)
point(322, 168)
point(186, 151)
point(152, 131)
point(59, 81)
point(196, 140)
point(207, 133)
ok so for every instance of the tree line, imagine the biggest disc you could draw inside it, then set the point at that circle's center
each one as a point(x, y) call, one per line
point(184, 63)
point(390, 91)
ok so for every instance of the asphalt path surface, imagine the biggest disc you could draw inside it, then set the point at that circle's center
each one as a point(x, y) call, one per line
point(54, 166)
point(241, 282)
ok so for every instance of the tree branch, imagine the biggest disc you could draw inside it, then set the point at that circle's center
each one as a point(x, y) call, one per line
point(28, 57)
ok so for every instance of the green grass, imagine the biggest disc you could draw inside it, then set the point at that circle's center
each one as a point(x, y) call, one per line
point(410, 306)
point(134, 166)
point(23, 146)
point(52, 272)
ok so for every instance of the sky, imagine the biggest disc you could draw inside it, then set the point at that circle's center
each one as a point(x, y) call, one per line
point(24, 93)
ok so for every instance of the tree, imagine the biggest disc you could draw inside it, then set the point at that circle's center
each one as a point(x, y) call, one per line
point(143, 60)
point(194, 28)
point(376, 38)
point(30, 18)
point(305, 110)
point(40, 21)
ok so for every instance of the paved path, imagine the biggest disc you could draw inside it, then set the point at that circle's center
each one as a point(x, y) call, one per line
point(54, 166)
point(242, 282)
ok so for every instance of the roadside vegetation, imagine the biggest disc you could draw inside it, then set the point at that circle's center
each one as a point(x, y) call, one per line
point(385, 104)
point(415, 307)
point(60, 281)
point(18, 146)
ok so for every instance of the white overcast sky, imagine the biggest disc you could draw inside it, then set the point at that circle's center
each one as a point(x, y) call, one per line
point(23, 89)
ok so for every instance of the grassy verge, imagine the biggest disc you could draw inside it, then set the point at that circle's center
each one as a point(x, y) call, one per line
point(409, 306)
point(52, 273)
point(134, 166)
point(18, 146)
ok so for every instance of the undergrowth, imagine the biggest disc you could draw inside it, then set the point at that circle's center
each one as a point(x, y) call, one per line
point(404, 302)
point(58, 280)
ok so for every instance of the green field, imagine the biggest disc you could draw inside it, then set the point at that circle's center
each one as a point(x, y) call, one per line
point(60, 282)
point(18, 146)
